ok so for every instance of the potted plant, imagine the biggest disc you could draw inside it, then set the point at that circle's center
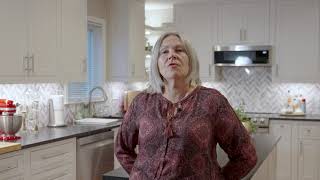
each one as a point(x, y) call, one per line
point(246, 121)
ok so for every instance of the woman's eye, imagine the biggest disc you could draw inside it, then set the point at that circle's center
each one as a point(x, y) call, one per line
point(179, 50)
point(164, 51)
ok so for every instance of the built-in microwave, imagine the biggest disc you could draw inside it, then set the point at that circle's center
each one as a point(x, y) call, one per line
point(242, 55)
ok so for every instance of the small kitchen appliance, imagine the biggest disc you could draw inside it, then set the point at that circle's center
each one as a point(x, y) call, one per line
point(9, 126)
point(7, 107)
point(56, 111)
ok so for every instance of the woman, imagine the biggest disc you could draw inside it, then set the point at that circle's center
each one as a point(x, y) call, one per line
point(177, 123)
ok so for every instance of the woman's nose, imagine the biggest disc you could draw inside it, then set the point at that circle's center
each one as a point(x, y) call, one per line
point(172, 55)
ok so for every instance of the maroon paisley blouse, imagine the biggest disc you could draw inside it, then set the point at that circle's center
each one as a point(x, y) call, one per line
point(178, 140)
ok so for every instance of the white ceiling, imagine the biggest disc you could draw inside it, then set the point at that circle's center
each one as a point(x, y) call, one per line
point(164, 4)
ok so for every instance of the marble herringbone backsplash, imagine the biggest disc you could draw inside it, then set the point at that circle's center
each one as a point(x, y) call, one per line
point(253, 86)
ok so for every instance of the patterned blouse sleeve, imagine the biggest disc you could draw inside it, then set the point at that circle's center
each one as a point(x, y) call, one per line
point(234, 139)
point(127, 139)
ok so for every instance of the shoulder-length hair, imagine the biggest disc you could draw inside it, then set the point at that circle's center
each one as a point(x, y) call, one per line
point(156, 81)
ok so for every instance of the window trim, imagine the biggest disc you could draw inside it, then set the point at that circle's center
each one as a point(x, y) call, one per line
point(101, 23)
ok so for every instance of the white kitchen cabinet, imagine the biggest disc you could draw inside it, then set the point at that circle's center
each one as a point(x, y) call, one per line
point(73, 58)
point(12, 166)
point(199, 27)
point(309, 159)
point(56, 160)
point(32, 42)
point(243, 22)
point(296, 50)
point(286, 149)
point(13, 39)
point(127, 55)
point(309, 148)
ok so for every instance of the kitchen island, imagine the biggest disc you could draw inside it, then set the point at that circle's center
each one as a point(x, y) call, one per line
point(264, 144)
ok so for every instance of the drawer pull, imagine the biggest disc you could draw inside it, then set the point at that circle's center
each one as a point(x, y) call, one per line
point(309, 130)
point(8, 168)
point(59, 176)
point(52, 155)
point(282, 126)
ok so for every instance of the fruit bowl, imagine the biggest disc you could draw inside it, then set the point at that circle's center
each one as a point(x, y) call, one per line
point(10, 125)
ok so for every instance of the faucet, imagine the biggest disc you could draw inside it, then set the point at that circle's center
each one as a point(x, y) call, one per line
point(105, 98)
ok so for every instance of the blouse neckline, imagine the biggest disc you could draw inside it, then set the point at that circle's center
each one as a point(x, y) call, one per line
point(184, 98)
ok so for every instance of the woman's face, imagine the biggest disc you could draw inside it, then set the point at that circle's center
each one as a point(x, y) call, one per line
point(173, 61)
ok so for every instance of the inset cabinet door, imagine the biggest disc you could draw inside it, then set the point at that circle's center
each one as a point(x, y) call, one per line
point(13, 39)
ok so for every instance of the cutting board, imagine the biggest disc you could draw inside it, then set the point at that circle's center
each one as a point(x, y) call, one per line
point(9, 146)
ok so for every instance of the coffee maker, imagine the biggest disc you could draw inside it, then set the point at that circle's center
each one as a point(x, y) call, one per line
point(56, 111)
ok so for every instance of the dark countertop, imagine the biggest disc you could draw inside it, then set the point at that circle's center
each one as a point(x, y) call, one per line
point(264, 145)
point(48, 135)
point(277, 116)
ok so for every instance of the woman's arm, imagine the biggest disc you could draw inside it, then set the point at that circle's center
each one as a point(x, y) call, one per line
point(235, 141)
point(127, 139)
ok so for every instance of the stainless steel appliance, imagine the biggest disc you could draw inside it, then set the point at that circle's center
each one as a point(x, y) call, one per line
point(242, 55)
point(261, 120)
point(95, 156)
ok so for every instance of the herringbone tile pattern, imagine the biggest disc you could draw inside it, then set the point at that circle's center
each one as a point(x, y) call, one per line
point(253, 86)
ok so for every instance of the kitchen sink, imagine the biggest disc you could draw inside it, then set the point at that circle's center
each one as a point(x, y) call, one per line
point(93, 121)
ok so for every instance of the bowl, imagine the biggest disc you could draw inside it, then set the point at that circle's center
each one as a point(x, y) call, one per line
point(10, 125)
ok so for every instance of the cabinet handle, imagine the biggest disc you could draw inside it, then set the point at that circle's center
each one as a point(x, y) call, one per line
point(240, 34)
point(132, 69)
point(32, 63)
point(209, 69)
point(8, 168)
point(244, 34)
point(84, 65)
point(282, 126)
point(277, 70)
point(53, 155)
point(300, 149)
point(58, 176)
point(25, 63)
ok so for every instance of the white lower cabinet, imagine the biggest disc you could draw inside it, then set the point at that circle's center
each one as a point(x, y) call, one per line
point(12, 166)
point(298, 156)
point(55, 160)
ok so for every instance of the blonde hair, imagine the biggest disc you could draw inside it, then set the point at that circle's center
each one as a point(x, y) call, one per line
point(156, 82)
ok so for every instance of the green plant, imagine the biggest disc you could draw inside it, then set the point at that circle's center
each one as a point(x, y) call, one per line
point(244, 118)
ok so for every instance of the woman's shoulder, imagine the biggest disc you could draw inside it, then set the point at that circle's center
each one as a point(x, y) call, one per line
point(145, 96)
point(210, 92)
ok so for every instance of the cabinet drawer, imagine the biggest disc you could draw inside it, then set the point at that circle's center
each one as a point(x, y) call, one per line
point(309, 132)
point(10, 166)
point(52, 157)
point(60, 173)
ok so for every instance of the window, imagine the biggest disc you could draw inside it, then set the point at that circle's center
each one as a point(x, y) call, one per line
point(79, 91)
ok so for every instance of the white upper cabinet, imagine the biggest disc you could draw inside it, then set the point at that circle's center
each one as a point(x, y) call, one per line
point(43, 37)
point(73, 59)
point(296, 47)
point(127, 55)
point(199, 27)
point(243, 22)
point(13, 39)
point(37, 34)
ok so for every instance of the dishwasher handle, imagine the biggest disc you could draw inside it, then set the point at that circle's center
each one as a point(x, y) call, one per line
point(95, 138)
point(98, 144)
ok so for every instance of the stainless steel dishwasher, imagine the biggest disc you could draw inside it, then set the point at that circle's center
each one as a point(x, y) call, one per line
point(95, 156)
